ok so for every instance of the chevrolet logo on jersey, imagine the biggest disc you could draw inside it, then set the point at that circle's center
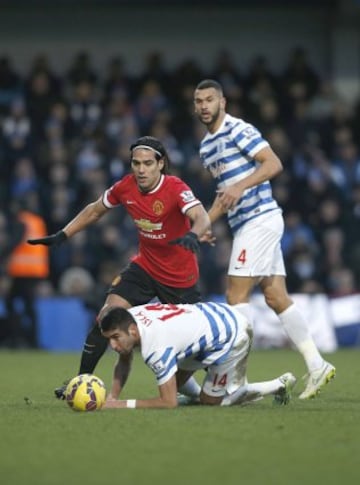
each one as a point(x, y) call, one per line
point(146, 225)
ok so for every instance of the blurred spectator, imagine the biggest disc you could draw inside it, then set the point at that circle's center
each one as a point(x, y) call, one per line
point(117, 84)
point(301, 269)
point(155, 71)
point(186, 74)
point(85, 109)
point(342, 282)
point(260, 78)
point(41, 64)
point(81, 70)
point(24, 178)
point(149, 103)
point(10, 84)
point(17, 132)
point(76, 281)
point(296, 234)
point(299, 79)
point(227, 74)
point(26, 267)
point(119, 122)
point(324, 101)
point(39, 99)
point(269, 117)
point(337, 128)
point(346, 168)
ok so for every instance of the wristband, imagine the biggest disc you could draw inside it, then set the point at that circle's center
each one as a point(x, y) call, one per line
point(131, 403)
point(61, 236)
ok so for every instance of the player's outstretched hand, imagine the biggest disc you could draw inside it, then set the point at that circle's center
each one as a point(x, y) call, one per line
point(208, 237)
point(53, 240)
point(188, 241)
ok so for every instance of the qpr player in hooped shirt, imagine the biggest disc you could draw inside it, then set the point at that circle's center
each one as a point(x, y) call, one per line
point(176, 340)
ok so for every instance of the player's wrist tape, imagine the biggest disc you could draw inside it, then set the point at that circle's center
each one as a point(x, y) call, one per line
point(131, 403)
point(192, 235)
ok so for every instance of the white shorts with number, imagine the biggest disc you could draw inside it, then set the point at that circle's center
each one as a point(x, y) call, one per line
point(256, 247)
point(228, 376)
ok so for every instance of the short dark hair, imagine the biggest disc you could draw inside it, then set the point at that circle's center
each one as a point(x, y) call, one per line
point(116, 318)
point(153, 144)
point(210, 83)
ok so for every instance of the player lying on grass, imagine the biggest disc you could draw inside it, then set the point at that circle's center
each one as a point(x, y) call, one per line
point(174, 348)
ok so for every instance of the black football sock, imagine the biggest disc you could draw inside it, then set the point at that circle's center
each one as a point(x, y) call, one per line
point(93, 350)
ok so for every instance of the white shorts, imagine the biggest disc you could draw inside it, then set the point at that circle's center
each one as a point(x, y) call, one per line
point(228, 376)
point(256, 249)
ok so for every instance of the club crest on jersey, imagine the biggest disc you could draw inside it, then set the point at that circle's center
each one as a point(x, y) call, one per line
point(157, 367)
point(187, 196)
point(158, 207)
point(250, 132)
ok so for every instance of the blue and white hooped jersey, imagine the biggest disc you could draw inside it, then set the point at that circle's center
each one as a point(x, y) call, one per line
point(229, 154)
point(186, 336)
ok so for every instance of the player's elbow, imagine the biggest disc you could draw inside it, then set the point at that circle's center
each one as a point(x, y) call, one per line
point(95, 210)
point(277, 166)
point(172, 405)
point(169, 402)
point(280, 168)
point(172, 402)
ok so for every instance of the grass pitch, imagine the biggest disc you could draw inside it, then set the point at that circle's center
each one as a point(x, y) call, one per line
point(46, 443)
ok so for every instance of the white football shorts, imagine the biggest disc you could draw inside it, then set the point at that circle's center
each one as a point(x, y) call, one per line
point(228, 376)
point(256, 249)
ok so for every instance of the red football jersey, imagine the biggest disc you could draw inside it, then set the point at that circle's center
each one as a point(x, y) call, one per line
point(160, 217)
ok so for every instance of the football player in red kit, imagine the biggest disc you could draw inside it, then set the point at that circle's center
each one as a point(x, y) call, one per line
point(170, 220)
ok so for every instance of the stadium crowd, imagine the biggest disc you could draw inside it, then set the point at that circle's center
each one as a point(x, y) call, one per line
point(65, 138)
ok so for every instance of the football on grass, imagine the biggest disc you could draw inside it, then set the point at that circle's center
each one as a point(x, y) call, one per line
point(85, 392)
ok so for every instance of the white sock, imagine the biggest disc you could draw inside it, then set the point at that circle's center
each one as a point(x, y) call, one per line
point(260, 388)
point(296, 328)
point(265, 387)
point(190, 388)
point(236, 396)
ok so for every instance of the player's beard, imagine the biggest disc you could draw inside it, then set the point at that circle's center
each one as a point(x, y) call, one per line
point(213, 119)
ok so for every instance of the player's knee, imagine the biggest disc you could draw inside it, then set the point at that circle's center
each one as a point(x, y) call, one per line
point(277, 301)
point(209, 400)
point(105, 308)
point(95, 330)
point(235, 297)
point(271, 300)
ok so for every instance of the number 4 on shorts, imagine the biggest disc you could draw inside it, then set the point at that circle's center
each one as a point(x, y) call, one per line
point(220, 380)
point(242, 256)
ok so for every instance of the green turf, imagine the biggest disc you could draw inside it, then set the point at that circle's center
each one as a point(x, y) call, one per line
point(46, 443)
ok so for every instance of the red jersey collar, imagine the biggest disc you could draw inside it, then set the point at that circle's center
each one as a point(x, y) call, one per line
point(161, 181)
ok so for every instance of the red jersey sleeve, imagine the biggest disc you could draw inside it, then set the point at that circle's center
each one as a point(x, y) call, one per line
point(113, 196)
point(185, 196)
